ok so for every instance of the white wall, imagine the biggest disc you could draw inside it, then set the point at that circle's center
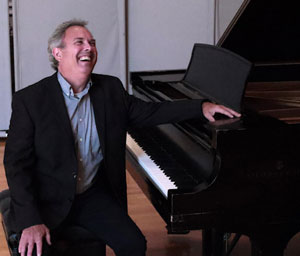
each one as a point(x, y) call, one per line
point(35, 21)
point(162, 32)
point(5, 75)
point(225, 12)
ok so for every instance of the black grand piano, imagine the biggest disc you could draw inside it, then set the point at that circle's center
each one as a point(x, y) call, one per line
point(237, 175)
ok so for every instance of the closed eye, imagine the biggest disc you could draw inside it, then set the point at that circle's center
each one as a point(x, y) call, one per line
point(78, 42)
point(93, 42)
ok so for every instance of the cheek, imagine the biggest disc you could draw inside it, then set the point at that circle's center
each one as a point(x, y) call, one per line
point(73, 57)
point(96, 55)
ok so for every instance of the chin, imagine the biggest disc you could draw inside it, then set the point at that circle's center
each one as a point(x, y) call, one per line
point(86, 70)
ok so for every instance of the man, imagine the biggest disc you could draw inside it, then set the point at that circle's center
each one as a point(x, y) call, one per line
point(65, 153)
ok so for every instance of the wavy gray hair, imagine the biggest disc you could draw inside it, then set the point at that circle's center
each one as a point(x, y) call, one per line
point(56, 39)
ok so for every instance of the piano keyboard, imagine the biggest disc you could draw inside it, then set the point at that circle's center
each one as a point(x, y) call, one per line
point(153, 171)
point(153, 152)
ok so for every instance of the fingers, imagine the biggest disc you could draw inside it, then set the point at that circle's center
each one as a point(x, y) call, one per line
point(23, 245)
point(33, 236)
point(210, 109)
point(225, 111)
point(27, 246)
point(222, 110)
point(39, 248)
point(209, 117)
point(230, 112)
point(30, 249)
point(48, 238)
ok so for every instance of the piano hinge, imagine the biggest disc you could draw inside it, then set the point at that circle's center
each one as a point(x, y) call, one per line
point(175, 226)
point(176, 218)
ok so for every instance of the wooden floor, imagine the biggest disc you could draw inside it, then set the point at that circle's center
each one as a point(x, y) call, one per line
point(159, 242)
point(3, 185)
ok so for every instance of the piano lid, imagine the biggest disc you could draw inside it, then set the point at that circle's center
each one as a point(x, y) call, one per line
point(266, 32)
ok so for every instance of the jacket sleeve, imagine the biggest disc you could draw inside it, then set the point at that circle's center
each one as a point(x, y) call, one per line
point(143, 113)
point(19, 162)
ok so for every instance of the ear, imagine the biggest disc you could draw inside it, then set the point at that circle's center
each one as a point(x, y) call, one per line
point(57, 54)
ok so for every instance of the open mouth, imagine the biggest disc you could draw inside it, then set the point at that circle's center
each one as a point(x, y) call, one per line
point(85, 58)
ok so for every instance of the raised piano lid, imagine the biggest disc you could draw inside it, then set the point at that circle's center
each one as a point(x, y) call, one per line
point(266, 32)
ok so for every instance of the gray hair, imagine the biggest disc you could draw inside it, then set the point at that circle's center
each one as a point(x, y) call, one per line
point(56, 39)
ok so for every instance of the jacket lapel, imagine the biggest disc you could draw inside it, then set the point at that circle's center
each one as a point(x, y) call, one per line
point(58, 106)
point(97, 96)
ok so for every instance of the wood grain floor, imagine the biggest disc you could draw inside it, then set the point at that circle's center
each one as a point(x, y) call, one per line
point(3, 185)
point(153, 227)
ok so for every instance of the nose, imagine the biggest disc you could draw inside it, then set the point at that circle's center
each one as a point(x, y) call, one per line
point(87, 46)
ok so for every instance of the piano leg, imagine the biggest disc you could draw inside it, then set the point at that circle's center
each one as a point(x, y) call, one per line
point(216, 243)
point(213, 243)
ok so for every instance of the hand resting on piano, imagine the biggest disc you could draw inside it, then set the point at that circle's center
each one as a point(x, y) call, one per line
point(210, 109)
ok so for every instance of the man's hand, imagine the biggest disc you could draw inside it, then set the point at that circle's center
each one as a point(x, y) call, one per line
point(210, 109)
point(33, 236)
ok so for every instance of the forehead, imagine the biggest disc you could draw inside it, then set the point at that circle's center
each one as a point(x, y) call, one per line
point(77, 32)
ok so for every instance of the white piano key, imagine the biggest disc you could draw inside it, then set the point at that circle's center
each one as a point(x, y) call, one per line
point(153, 171)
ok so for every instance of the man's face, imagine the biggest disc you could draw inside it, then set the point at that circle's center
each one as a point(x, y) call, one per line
point(79, 53)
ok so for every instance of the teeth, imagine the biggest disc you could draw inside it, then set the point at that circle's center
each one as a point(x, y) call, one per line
point(85, 58)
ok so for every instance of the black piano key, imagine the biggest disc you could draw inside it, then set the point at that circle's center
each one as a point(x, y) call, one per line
point(153, 144)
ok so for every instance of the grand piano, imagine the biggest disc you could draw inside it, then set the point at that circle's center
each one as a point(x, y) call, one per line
point(238, 175)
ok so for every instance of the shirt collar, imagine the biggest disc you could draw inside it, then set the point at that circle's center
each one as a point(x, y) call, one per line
point(67, 89)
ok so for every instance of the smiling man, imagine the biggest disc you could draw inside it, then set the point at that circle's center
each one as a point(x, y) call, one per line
point(76, 56)
point(65, 153)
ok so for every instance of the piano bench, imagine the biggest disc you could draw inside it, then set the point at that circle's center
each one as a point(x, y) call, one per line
point(73, 241)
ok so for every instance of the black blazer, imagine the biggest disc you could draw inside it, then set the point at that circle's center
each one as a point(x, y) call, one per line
point(40, 158)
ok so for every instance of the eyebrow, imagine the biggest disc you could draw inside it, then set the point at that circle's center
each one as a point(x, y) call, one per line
point(81, 38)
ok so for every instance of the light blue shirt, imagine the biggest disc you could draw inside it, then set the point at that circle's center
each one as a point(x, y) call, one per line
point(83, 124)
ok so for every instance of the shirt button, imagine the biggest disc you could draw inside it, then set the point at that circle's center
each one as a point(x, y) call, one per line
point(80, 119)
point(75, 176)
point(80, 139)
point(80, 159)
